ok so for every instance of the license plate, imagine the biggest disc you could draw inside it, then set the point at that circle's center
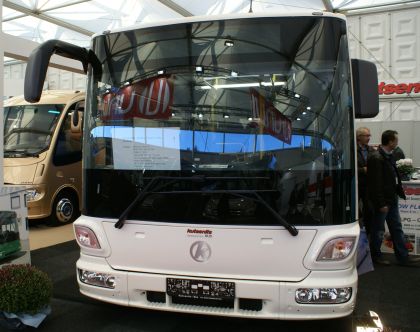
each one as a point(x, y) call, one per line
point(200, 289)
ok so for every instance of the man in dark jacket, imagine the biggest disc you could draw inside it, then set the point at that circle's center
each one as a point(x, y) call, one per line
point(384, 187)
point(363, 151)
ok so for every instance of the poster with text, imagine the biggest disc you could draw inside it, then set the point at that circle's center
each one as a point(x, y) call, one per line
point(410, 220)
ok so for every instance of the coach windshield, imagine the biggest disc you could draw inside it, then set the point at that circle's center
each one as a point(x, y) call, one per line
point(251, 108)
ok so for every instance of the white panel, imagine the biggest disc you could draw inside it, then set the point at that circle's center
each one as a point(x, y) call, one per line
point(20, 48)
point(53, 78)
point(405, 134)
point(16, 71)
point(79, 82)
point(13, 87)
point(353, 24)
point(6, 73)
point(415, 139)
point(375, 39)
point(405, 110)
point(66, 80)
point(384, 112)
point(405, 45)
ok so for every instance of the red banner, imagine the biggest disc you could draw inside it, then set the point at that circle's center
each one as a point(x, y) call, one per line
point(275, 123)
point(149, 99)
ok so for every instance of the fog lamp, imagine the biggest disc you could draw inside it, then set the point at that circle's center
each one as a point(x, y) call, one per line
point(323, 295)
point(97, 278)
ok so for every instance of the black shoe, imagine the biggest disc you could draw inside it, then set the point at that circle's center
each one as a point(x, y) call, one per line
point(410, 261)
point(381, 261)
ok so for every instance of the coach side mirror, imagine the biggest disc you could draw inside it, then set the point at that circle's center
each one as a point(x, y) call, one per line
point(77, 120)
point(39, 59)
point(365, 89)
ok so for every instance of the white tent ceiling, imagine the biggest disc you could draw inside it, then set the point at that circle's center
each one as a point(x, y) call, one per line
point(76, 20)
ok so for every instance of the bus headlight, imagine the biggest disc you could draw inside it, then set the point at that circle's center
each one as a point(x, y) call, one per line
point(323, 295)
point(337, 249)
point(32, 195)
point(97, 278)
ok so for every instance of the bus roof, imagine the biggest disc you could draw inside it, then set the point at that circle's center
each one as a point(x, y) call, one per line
point(193, 19)
point(47, 97)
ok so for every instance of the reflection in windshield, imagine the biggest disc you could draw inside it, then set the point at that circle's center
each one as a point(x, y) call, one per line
point(219, 100)
point(201, 148)
point(28, 129)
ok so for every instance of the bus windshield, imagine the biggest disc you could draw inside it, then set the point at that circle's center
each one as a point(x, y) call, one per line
point(28, 129)
point(255, 108)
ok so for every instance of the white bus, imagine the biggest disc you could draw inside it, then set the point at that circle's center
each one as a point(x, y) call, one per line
point(219, 164)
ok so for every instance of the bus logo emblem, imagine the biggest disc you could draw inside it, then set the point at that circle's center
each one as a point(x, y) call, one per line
point(200, 251)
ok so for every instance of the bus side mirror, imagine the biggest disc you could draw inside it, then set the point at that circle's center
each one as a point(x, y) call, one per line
point(36, 69)
point(365, 89)
point(76, 123)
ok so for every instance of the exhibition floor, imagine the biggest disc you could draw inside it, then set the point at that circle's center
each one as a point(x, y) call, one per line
point(41, 236)
point(390, 291)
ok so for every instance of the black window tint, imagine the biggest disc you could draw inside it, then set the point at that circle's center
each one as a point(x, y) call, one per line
point(68, 148)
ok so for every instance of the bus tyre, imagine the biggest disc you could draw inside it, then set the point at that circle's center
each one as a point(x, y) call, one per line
point(65, 209)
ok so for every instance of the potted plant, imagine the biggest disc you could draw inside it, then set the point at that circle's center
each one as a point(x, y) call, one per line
point(405, 167)
point(25, 294)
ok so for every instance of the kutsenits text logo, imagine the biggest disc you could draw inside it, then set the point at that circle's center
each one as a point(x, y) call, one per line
point(199, 231)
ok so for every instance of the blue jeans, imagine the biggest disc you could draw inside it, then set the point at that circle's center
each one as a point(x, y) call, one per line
point(393, 220)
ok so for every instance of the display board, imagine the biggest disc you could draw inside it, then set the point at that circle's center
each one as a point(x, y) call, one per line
point(410, 219)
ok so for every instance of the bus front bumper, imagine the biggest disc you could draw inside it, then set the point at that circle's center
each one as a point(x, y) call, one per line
point(37, 210)
point(252, 299)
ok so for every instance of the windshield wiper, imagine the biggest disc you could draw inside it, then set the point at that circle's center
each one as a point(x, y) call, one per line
point(150, 188)
point(240, 193)
point(292, 229)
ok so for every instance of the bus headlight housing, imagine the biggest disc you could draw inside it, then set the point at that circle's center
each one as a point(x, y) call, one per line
point(86, 237)
point(337, 249)
point(97, 278)
point(32, 195)
point(323, 295)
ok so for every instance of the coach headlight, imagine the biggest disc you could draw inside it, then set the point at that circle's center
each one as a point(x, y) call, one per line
point(337, 249)
point(323, 295)
point(85, 237)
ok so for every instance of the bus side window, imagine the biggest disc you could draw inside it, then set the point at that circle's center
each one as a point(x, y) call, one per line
point(68, 149)
point(12, 116)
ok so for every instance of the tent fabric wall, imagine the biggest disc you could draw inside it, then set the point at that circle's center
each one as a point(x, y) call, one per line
point(390, 37)
point(392, 40)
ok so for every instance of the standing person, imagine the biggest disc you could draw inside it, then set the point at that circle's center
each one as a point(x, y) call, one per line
point(384, 187)
point(363, 150)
